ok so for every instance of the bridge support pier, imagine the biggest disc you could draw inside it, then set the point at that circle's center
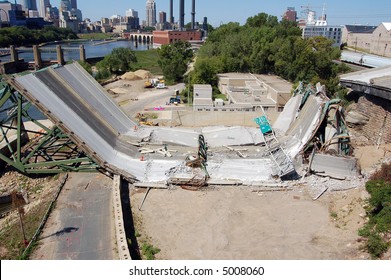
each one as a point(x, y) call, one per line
point(82, 53)
point(37, 57)
point(60, 55)
point(14, 54)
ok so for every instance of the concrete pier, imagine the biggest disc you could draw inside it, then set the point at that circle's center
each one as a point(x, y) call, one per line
point(60, 55)
point(14, 54)
point(37, 57)
point(82, 53)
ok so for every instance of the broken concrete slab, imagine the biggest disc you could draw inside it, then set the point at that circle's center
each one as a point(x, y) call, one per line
point(334, 166)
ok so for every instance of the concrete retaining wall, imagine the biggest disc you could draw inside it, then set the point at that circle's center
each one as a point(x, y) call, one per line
point(378, 110)
point(123, 249)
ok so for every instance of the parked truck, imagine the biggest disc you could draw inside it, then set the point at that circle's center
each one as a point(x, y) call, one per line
point(176, 99)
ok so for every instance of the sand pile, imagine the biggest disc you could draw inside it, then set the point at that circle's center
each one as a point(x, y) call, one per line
point(138, 75)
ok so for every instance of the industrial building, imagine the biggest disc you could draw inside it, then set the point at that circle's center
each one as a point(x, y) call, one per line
point(165, 37)
point(252, 92)
point(372, 39)
point(202, 97)
point(312, 27)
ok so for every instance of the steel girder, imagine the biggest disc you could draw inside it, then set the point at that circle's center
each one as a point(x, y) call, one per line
point(43, 149)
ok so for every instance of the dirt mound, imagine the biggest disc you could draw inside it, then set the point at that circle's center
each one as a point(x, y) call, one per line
point(138, 75)
point(130, 76)
point(143, 74)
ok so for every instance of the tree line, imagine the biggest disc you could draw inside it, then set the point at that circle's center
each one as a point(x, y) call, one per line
point(22, 36)
point(264, 45)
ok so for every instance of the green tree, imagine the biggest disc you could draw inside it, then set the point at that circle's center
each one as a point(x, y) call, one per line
point(173, 60)
point(22, 36)
point(119, 61)
point(262, 19)
point(86, 66)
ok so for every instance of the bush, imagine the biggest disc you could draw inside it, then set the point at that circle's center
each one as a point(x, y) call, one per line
point(86, 66)
point(379, 212)
point(376, 246)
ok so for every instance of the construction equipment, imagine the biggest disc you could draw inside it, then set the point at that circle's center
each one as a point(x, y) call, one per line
point(161, 86)
point(148, 84)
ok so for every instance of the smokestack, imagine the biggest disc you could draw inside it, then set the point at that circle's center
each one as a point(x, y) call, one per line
point(171, 11)
point(181, 14)
point(193, 15)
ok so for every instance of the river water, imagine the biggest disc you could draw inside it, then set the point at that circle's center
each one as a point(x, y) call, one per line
point(93, 49)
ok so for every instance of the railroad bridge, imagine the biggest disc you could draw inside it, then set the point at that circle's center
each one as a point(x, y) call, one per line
point(17, 65)
point(139, 37)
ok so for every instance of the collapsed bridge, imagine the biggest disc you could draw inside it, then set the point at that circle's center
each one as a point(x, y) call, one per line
point(103, 134)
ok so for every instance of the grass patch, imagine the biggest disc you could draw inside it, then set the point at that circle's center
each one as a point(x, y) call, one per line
point(11, 237)
point(379, 213)
point(220, 96)
point(148, 60)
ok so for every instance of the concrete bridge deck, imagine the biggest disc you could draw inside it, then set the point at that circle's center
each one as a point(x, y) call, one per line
point(73, 100)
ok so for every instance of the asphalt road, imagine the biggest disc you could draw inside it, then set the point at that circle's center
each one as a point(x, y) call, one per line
point(81, 226)
point(153, 99)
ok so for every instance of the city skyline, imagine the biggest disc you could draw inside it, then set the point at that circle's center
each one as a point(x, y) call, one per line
point(338, 12)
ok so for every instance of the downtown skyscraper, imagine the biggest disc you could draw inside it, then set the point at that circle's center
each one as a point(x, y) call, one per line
point(30, 5)
point(43, 4)
point(151, 13)
point(74, 4)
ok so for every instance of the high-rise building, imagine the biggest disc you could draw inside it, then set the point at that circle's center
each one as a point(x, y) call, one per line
point(290, 14)
point(320, 27)
point(131, 13)
point(132, 18)
point(151, 13)
point(74, 4)
point(30, 5)
point(43, 5)
point(162, 17)
point(65, 5)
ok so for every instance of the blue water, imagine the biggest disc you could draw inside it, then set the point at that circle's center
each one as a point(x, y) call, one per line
point(33, 112)
point(91, 49)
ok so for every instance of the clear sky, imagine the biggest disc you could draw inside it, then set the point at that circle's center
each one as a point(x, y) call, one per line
point(223, 11)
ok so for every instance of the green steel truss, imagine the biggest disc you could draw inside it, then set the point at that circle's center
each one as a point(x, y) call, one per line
point(40, 150)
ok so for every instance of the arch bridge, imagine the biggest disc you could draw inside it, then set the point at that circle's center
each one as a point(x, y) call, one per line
point(139, 37)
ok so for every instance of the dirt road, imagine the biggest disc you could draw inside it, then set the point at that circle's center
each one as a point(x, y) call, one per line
point(237, 223)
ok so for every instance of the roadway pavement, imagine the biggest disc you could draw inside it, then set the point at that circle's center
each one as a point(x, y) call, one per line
point(81, 226)
point(155, 99)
